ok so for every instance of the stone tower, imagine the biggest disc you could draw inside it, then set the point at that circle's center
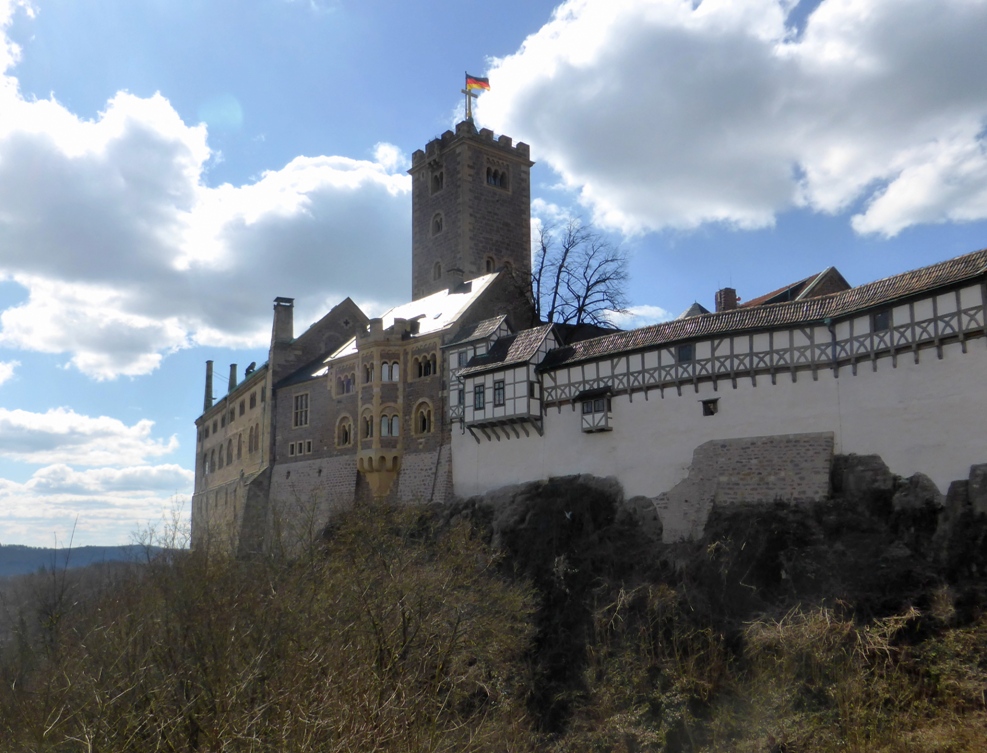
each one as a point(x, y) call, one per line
point(471, 209)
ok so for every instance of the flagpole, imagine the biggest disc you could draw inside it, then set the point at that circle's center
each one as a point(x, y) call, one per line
point(470, 96)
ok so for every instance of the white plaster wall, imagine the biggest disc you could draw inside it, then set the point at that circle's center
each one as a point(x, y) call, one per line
point(926, 417)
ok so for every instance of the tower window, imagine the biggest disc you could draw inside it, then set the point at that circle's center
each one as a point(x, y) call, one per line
point(438, 181)
point(437, 271)
point(436, 224)
point(489, 264)
point(497, 177)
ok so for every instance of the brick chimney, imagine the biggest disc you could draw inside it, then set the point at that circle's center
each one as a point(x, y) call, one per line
point(726, 299)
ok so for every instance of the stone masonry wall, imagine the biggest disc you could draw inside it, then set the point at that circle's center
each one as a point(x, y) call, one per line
point(423, 476)
point(787, 467)
point(305, 494)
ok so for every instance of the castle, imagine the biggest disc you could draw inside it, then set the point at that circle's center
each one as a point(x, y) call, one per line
point(461, 391)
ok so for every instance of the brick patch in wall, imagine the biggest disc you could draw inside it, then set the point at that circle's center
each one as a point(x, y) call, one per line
point(790, 468)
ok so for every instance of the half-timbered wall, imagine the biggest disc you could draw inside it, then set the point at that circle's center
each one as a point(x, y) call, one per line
point(913, 393)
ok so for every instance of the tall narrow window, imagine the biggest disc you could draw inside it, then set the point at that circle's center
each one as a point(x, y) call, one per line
point(385, 372)
point(300, 416)
point(436, 224)
point(478, 397)
point(239, 445)
point(499, 392)
point(395, 426)
point(437, 271)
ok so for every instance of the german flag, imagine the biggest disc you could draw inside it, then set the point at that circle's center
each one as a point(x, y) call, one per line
point(475, 82)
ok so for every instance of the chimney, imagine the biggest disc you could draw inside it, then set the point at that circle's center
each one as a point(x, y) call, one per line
point(455, 277)
point(726, 299)
point(207, 402)
point(284, 326)
point(232, 378)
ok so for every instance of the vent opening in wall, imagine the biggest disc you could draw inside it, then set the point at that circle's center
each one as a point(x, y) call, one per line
point(711, 406)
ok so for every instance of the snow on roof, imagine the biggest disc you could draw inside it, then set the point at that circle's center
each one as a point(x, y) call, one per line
point(433, 312)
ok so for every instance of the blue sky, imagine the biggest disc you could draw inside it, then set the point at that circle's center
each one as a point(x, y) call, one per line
point(168, 167)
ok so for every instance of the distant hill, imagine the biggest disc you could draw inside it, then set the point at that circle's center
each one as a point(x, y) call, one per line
point(21, 560)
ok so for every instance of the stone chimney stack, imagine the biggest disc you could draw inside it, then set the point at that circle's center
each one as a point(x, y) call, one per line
point(284, 324)
point(207, 402)
point(455, 277)
point(726, 299)
point(232, 378)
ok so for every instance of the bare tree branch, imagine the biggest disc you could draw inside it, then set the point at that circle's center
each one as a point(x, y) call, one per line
point(578, 276)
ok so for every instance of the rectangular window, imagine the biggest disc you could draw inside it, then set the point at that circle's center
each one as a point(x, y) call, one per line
point(710, 406)
point(308, 446)
point(462, 358)
point(291, 449)
point(243, 406)
point(499, 392)
point(462, 398)
point(300, 416)
point(253, 400)
point(880, 321)
point(685, 353)
point(478, 397)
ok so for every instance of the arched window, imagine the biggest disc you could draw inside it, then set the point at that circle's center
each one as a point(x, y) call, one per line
point(239, 445)
point(229, 452)
point(437, 223)
point(205, 462)
point(220, 464)
point(423, 419)
point(250, 441)
point(344, 432)
point(368, 426)
point(431, 362)
point(489, 264)
point(395, 426)
point(385, 372)
point(437, 271)
point(368, 373)
point(395, 372)
point(438, 180)
point(385, 426)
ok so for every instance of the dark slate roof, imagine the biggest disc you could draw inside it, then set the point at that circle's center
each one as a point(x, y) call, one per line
point(835, 305)
point(799, 290)
point(509, 351)
point(696, 309)
point(477, 331)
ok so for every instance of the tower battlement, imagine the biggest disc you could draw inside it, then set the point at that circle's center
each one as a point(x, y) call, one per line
point(471, 208)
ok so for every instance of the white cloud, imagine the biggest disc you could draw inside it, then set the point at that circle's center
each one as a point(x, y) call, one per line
point(7, 370)
point(638, 316)
point(672, 113)
point(63, 436)
point(61, 506)
point(127, 255)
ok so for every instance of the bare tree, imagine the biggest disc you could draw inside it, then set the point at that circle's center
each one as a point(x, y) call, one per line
point(578, 276)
